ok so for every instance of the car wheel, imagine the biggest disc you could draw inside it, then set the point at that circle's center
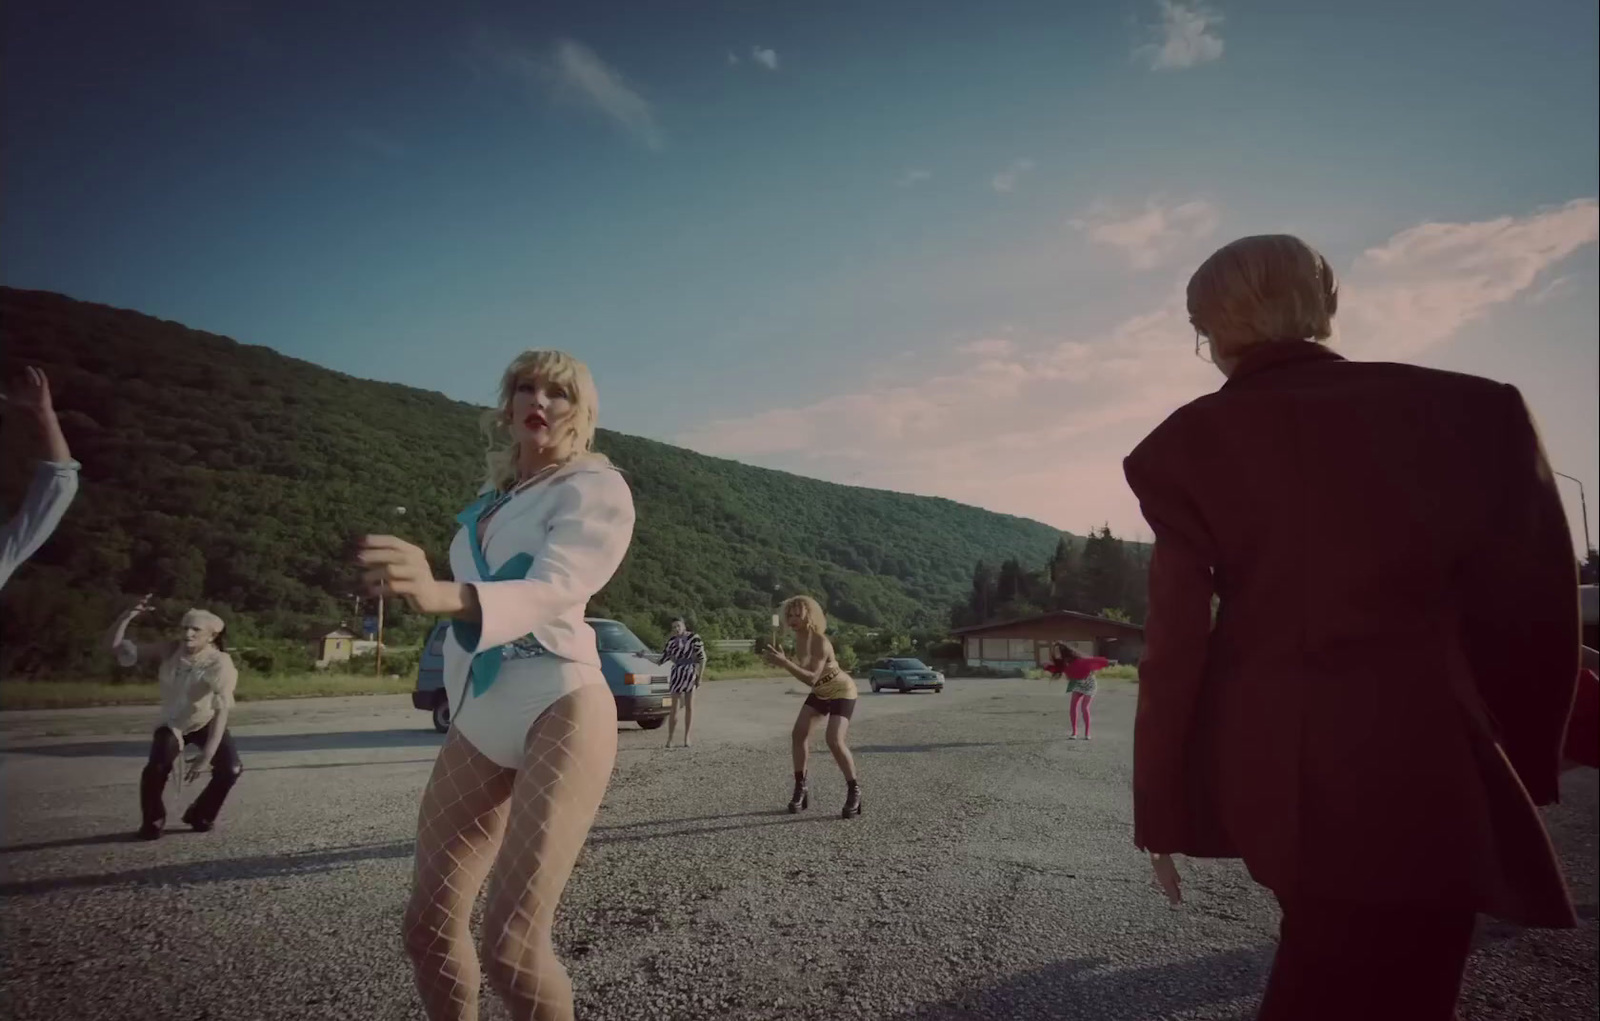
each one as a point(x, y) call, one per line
point(903, 689)
point(875, 689)
point(441, 715)
point(652, 724)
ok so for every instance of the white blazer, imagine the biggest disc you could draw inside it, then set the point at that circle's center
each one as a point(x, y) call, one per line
point(577, 525)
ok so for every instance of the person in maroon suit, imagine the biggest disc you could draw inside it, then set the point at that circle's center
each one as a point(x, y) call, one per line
point(1380, 705)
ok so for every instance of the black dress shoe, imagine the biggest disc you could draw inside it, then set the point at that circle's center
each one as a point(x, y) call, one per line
point(195, 823)
point(149, 831)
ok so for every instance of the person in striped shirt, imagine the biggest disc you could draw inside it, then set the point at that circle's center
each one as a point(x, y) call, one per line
point(687, 653)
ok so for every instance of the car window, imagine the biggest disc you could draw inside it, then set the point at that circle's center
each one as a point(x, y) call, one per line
point(909, 664)
point(436, 641)
point(611, 636)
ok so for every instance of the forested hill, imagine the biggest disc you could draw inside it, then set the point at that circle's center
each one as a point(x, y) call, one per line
point(230, 475)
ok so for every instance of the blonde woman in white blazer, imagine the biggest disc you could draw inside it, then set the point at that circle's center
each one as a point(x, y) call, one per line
point(533, 726)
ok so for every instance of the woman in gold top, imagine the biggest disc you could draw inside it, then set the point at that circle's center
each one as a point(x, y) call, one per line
point(833, 695)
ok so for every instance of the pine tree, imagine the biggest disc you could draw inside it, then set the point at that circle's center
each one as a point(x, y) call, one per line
point(1063, 574)
point(983, 600)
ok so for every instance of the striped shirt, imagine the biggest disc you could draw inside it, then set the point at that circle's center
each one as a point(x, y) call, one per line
point(688, 655)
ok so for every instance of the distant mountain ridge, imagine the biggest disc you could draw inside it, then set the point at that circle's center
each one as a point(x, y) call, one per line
point(231, 475)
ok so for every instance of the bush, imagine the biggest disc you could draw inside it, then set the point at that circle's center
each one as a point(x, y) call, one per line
point(259, 661)
point(966, 670)
point(402, 662)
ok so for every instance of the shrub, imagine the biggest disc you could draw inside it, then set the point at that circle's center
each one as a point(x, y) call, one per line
point(259, 661)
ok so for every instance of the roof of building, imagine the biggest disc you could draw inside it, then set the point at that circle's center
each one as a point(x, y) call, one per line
point(1119, 625)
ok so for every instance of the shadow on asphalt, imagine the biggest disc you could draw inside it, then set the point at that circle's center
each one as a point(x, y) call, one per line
point(224, 870)
point(778, 817)
point(1077, 990)
point(247, 743)
point(265, 866)
point(876, 749)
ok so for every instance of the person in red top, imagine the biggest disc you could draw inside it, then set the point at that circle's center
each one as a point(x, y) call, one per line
point(1079, 672)
point(1583, 730)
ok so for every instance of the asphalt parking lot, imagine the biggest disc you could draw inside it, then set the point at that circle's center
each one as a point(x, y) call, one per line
point(990, 876)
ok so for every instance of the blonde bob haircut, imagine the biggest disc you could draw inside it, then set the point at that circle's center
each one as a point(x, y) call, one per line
point(576, 438)
point(1268, 287)
point(810, 612)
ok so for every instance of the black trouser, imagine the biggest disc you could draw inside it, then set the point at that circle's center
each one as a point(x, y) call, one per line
point(164, 748)
point(1376, 962)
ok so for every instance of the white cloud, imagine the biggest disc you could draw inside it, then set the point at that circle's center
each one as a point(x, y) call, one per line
point(1147, 238)
point(1424, 284)
point(767, 58)
point(1549, 290)
point(1039, 428)
point(1186, 37)
point(572, 72)
point(1006, 180)
point(579, 72)
point(913, 177)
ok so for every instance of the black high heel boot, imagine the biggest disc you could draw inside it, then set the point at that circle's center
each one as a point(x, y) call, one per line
point(800, 800)
point(852, 800)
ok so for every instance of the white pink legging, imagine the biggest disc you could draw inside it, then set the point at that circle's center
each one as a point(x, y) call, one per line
point(1079, 699)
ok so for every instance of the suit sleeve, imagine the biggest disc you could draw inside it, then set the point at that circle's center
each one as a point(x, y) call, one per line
point(1521, 619)
point(589, 532)
point(1177, 629)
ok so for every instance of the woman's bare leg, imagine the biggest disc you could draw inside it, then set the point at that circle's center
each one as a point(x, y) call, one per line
point(838, 730)
point(459, 828)
point(800, 738)
point(672, 720)
point(566, 766)
point(688, 715)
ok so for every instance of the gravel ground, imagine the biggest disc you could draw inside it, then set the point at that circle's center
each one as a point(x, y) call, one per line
point(990, 875)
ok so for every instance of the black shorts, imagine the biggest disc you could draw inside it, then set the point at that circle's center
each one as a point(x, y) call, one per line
point(845, 707)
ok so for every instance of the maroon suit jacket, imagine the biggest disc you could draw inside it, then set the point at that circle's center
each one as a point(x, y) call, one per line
point(1382, 700)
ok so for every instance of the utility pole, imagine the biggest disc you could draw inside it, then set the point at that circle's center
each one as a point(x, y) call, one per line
point(399, 512)
point(1583, 512)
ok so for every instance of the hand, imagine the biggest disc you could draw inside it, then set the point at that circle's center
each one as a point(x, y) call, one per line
point(773, 656)
point(144, 605)
point(32, 393)
point(1166, 876)
point(398, 567)
point(199, 766)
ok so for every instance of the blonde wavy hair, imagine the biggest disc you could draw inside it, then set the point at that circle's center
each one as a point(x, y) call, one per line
point(1263, 288)
point(576, 439)
point(811, 641)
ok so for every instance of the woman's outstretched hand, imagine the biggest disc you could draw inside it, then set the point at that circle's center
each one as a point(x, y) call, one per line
point(773, 656)
point(397, 567)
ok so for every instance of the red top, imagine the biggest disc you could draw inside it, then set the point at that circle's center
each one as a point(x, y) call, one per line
point(1078, 669)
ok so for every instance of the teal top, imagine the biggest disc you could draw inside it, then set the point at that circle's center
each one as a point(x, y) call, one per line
point(486, 662)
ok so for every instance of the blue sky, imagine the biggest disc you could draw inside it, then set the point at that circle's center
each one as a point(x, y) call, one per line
point(933, 247)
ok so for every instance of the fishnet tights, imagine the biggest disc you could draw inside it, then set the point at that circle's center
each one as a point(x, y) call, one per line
point(529, 825)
